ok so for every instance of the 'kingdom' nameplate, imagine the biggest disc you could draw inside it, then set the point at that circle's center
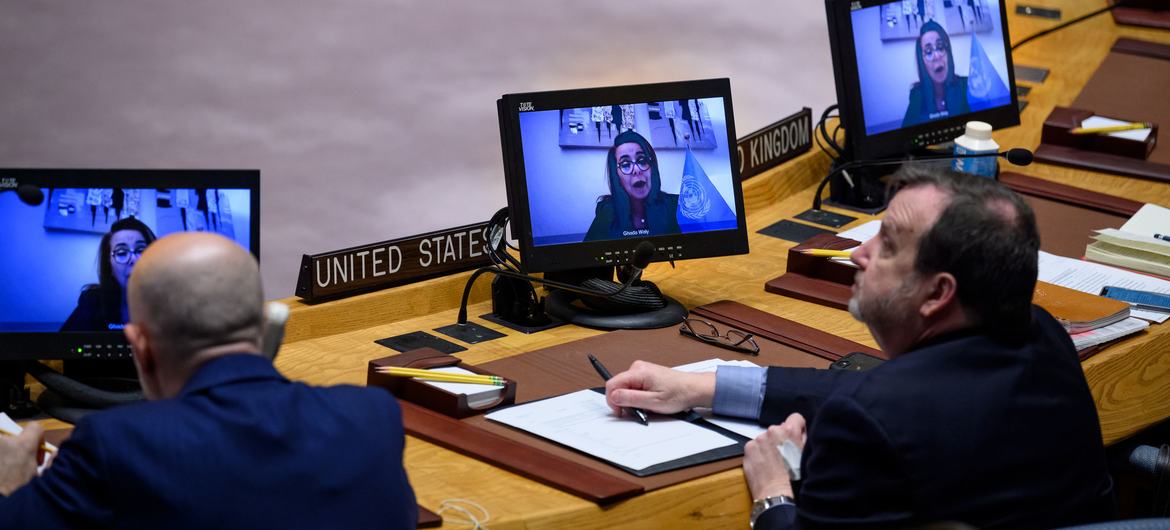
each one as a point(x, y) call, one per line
point(776, 143)
point(367, 268)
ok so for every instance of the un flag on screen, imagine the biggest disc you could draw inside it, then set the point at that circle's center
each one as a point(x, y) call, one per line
point(700, 206)
point(985, 89)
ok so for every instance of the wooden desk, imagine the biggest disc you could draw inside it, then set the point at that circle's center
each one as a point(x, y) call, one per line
point(331, 343)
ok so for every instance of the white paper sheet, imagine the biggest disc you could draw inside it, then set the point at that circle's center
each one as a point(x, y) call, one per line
point(583, 421)
point(1149, 220)
point(9, 426)
point(864, 232)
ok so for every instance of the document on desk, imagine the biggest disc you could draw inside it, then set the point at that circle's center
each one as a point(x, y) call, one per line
point(862, 233)
point(582, 421)
point(1090, 277)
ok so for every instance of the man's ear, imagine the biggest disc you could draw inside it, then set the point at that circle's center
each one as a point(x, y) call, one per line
point(940, 292)
point(139, 339)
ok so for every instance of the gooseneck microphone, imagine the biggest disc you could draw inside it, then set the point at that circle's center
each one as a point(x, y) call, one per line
point(1017, 156)
point(643, 253)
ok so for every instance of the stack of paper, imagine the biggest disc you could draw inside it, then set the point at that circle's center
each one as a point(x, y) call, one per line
point(1142, 243)
point(477, 395)
point(1108, 333)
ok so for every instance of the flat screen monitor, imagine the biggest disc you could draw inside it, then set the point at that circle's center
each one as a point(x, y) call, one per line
point(911, 73)
point(591, 173)
point(72, 237)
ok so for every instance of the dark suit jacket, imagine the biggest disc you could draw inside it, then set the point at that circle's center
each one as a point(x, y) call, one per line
point(919, 110)
point(661, 214)
point(240, 447)
point(959, 429)
point(96, 310)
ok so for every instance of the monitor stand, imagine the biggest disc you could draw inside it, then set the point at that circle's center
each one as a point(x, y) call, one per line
point(650, 309)
point(14, 395)
point(862, 190)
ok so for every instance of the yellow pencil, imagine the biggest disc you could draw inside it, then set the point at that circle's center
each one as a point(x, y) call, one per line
point(1113, 128)
point(444, 377)
point(44, 445)
point(827, 253)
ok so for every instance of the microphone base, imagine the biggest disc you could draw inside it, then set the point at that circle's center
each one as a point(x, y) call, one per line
point(559, 304)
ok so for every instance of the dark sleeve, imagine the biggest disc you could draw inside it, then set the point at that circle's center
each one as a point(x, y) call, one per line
point(776, 517)
point(852, 473)
point(85, 314)
point(72, 493)
point(602, 220)
point(913, 108)
point(788, 390)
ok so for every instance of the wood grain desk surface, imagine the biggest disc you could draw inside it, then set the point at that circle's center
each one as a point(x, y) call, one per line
point(331, 343)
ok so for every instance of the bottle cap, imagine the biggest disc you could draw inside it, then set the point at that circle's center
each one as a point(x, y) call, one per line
point(978, 130)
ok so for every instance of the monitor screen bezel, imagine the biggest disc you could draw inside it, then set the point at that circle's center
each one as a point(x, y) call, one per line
point(549, 258)
point(899, 142)
point(65, 345)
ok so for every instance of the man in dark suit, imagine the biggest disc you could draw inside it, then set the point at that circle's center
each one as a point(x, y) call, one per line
point(982, 416)
point(225, 441)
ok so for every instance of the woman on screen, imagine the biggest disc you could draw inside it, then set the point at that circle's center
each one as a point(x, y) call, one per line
point(102, 307)
point(636, 205)
point(939, 92)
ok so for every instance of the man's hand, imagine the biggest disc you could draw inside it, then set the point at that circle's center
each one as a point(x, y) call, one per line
point(655, 388)
point(766, 472)
point(18, 458)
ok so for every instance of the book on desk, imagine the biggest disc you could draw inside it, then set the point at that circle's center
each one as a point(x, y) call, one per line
point(1141, 244)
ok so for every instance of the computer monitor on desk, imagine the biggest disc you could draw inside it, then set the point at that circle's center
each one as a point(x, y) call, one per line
point(592, 173)
point(71, 239)
point(912, 74)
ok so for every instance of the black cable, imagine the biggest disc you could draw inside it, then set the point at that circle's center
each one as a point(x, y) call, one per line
point(1065, 25)
point(822, 128)
point(81, 392)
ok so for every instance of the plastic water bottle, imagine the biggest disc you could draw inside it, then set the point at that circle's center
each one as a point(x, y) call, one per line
point(976, 141)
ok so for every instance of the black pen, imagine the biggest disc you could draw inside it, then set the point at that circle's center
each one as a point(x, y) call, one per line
point(638, 413)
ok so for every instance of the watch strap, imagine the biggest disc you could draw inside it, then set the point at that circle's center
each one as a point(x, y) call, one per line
point(762, 505)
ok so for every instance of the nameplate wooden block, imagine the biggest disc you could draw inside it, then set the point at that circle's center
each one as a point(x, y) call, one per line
point(775, 144)
point(376, 266)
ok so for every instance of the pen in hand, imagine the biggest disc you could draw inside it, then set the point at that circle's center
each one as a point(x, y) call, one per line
point(638, 413)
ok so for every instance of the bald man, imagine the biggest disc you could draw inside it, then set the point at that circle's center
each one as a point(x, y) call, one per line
point(225, 441)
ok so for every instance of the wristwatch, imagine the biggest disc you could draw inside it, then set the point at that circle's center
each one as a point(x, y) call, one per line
point(762, 505)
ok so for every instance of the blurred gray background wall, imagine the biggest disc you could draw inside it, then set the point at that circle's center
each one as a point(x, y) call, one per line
point(369, 119)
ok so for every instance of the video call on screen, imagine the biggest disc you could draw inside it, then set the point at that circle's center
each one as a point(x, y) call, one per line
point(670, 174)
point(925, 60)
point(55, 276)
